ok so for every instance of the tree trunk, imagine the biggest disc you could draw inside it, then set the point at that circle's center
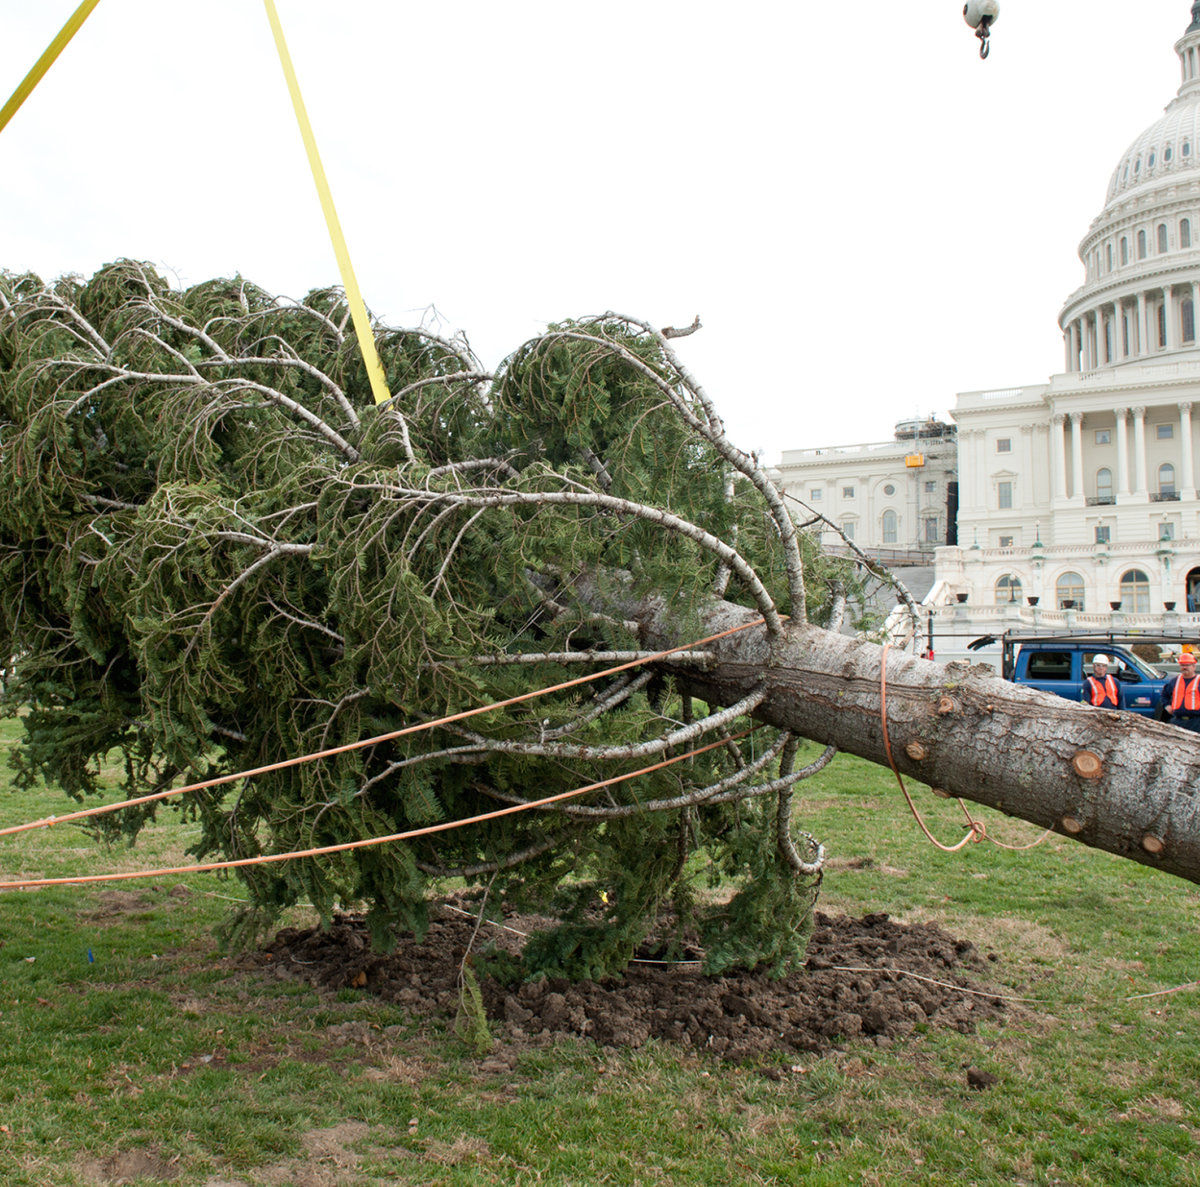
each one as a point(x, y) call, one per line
point(1113, 780)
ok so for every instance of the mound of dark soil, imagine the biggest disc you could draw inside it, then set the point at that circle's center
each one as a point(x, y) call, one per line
point(869, 978)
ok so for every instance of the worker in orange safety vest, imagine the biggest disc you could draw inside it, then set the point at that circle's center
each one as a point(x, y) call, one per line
point(1183, 707)
point(1100, 689)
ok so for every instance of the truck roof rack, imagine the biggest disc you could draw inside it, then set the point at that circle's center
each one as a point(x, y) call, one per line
point(1009, 637)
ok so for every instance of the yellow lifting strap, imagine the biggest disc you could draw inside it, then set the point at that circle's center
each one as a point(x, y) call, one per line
point(47, 60)
point(358, 311)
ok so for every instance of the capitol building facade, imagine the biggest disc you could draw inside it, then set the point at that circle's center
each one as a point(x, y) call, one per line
point(1072, 503)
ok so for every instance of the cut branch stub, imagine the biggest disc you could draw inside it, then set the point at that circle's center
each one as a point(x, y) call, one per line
point(916, 751)
point(1087, 765)
point(1071, 825)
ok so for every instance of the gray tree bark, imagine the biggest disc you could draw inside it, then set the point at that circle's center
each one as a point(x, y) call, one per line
point(1115, 781)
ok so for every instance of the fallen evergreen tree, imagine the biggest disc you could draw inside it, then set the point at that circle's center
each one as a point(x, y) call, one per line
point(219, 552)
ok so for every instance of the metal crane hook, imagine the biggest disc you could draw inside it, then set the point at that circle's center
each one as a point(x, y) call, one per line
point(983, 33)
point(981, 15)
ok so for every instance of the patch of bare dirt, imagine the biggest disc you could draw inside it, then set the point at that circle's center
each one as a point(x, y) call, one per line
point(125, 1166)
point(117, 904)
point(111, 905)
point(332, 1158)
point(864, 979)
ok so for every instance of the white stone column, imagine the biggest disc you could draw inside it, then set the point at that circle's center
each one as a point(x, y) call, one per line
point(1122, 415)
point(1141, 494)
point(1119, 353)
point(1067, 348)
point(966, 475)
point(1143, 327)
point(1170, 320)
point(1077, 491)
point(1188, 477)
point(981, 473)
point(1058, 456)
point(1028, 494)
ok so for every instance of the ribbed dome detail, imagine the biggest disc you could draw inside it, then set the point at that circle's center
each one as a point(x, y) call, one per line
point(1166, 149)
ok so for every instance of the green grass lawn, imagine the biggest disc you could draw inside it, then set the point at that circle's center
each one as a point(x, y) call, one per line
point(134, 1052)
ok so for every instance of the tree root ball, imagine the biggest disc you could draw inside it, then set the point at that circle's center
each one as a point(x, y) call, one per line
point(854, 988)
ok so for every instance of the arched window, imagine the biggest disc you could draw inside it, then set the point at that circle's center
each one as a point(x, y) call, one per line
point(1167, 153)
point(1104, 487)
point(1187, 319)
point(1153, 158)
point(890, 527)
point(1108, 255)
point(1185, 232)
point(1124, 250)
point(1141, 242)
point(1166, 479)
point(848, 528)
point(1137, 166)
point(1008, 589)
point(1069, 588)
point(1162, 238)
point(1162, 324)
point(1135, 591)
point(1187, 148)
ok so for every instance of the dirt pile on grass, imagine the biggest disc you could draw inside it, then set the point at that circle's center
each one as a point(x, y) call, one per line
point(865, 979)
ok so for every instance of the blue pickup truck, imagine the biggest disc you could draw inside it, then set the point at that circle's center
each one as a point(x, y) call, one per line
point(1060, 663)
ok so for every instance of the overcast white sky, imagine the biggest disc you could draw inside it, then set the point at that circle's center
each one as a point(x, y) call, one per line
point(867, 217)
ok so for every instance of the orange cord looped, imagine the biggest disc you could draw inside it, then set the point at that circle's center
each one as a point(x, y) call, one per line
point(976, 829)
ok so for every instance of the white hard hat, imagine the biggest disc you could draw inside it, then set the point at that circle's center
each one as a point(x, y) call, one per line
point(1100, 659)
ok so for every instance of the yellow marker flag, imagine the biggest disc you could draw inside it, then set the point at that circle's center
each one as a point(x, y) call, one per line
point(47, 60)
point(358, 311)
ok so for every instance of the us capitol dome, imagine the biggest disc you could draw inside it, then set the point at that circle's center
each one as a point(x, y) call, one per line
point(1141, 253)
point(1071, 504)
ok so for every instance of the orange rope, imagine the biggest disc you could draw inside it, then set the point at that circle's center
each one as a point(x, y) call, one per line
point(1018, 848)
point(445, 826)
point(47, 821)
point(977, 828)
